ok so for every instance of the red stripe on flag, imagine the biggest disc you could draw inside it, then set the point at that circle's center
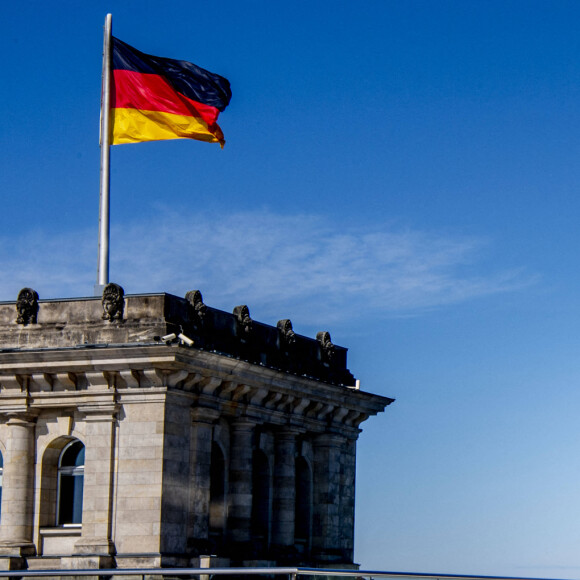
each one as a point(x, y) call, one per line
point(148, 92)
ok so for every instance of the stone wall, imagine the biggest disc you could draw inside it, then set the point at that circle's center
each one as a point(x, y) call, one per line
point(243, 451)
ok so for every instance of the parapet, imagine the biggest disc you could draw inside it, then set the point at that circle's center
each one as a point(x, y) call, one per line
point(119, 319)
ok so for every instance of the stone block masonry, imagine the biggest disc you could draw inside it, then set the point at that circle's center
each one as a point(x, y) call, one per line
point(151, 430)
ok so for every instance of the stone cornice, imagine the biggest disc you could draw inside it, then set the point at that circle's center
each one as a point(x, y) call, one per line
point(77, 377)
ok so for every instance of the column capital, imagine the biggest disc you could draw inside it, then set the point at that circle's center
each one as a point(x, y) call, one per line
point(244, 423)
point(329, 440)
point(103, 413)
point(204, 415)
point(22, 418)
point(288, 433)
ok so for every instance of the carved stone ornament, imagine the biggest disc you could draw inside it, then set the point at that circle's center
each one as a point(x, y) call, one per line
point(113, 302)
point(326, 346)
point(195, 298)
point(287, 335)
point(242, 314)
point(27, 306)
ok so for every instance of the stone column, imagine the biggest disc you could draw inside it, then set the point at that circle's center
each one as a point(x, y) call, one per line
point(327, 483)
point(199, 477)
point(240, 484)
point(347, 485)
point(18, 489)
point(284, 488)
point(98, 487)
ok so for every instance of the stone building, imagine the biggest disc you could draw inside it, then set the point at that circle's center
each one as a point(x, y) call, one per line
point(150, 430)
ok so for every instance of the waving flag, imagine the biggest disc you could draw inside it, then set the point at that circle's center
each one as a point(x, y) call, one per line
point(154, 98)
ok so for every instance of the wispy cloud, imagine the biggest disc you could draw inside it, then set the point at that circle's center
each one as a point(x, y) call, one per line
point(297, 266)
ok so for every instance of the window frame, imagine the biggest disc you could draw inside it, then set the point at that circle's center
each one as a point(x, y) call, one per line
point(68, 470)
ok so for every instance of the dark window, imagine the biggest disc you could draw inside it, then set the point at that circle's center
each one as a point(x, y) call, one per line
point(71, 470)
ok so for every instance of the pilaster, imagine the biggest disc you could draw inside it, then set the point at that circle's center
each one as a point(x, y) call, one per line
point(200, 477)
point(240, 490)
point(347, 498)
point(326, 544)
point(284, 488)
point(98, 483)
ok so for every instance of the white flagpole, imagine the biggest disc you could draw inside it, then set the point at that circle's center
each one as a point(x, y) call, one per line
point(103, 265)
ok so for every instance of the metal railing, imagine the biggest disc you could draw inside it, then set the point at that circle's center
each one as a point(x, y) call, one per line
point(290, 573)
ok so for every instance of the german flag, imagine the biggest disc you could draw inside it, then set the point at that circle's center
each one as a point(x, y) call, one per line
point(154, 98)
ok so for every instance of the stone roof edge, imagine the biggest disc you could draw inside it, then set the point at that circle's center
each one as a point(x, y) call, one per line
point(170, 356)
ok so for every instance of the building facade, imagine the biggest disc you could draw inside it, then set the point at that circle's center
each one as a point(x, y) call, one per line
point(152, 430)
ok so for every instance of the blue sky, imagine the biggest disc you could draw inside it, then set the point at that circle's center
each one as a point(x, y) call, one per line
point(402, 174)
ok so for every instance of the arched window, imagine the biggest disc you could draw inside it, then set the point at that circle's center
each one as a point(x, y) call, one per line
point(71, 470)
point(303, 506)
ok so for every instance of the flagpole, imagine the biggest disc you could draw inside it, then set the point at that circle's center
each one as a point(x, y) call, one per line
point(104, 217)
